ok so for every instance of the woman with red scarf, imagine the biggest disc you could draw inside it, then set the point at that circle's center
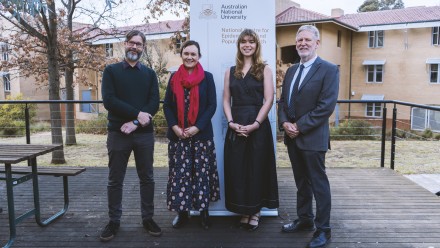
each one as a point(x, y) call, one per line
point(190, 103)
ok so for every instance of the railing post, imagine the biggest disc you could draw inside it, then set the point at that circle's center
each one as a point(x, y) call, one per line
point(27, 124)
point(393, 137)
point(384, 133)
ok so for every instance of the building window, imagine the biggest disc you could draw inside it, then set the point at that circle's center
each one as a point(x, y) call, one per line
point(422, 119)
point(373, 109)
point(433, 73)
point(436, 36)
point(374, 73)
point(289, 55)
point(179, 42)
point(375, 38)
point(339, 38)
point(7, 82)
point(4, 51)
point(109, 50)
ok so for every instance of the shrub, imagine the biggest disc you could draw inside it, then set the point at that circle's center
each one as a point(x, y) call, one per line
point(40, 127)
point(427, 133)
point(160, 123)
point(12, 127)
point(437, 136)
point(17, 111)
point(353, 130)
point(94, 126)
point(12, 116)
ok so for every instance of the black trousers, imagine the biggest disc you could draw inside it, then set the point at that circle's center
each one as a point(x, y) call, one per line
point(311, 181)
point(119, 148)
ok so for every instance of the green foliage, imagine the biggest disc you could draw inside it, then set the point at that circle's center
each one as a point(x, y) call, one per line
point(16, 111)
point(160, 123)
point(353, 130)
point(375, 5)
point(94, 126)
point(427, 133)
point(41, 126)
point(12, 116)
point(12, 128)
point(437, 136)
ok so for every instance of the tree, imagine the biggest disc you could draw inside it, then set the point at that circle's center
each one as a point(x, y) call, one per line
point(391, 4)
point(375, 5)
point(158, 8)
point(46, 46)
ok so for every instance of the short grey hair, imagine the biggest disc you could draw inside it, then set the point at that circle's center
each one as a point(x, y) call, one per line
point(311, 29)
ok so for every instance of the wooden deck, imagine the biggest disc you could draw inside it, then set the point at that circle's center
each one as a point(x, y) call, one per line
point(371, 208)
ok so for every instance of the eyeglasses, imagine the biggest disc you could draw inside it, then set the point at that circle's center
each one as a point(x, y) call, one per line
point(132, 44)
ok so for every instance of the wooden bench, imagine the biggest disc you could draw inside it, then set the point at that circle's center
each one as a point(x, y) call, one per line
point(64, 172)
point(46, 171)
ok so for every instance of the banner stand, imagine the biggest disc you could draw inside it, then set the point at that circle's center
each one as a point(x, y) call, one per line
point(216, 25)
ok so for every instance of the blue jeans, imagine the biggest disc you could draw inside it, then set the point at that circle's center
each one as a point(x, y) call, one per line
point(119, 148)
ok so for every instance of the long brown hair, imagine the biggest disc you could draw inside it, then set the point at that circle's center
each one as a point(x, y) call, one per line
point(257, 69)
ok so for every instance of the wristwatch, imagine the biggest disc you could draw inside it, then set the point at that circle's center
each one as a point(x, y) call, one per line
point(136, 122)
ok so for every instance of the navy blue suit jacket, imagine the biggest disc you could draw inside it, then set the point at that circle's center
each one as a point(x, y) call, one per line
point(207, 107)
point(314, 104)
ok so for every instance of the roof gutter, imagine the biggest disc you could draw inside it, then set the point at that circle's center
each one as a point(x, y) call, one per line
point(402, 25)
point(318, 21)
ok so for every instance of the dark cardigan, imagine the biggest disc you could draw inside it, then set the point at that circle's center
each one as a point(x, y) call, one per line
point(207, 107)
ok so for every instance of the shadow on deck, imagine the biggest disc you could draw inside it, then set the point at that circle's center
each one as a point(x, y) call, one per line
point(371, 208)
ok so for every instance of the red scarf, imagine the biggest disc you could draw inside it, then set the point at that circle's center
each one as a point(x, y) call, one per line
point(182, 79)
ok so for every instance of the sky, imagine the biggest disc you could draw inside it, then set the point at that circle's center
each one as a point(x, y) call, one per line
point(136, 8)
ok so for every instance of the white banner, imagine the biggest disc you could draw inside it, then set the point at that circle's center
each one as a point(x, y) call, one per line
point(216, 25)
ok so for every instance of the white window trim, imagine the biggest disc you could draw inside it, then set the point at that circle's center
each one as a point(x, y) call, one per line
point(375, 74)
point(109, 50)
point(4, 51)
point(438, 73)
point(435, 31)
point(375, 36)
point(427, 120)
point(7, 82)
point(374, 112)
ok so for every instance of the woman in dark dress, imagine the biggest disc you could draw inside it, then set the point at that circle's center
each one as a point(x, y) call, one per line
point(250, 172)
point(190, 103)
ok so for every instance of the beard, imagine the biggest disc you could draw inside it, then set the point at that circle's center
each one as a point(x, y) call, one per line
point(133, 57)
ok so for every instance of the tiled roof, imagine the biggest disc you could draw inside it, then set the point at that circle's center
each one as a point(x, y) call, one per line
point(147, 29)
point(386, 17)
point(154, 28)
point(294, 14)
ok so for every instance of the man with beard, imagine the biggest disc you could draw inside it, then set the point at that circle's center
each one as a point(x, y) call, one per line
point(310, 92)
point(130, 93)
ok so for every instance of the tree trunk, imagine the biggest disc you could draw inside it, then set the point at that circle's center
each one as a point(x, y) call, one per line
point(54, 84)
point(70, 114)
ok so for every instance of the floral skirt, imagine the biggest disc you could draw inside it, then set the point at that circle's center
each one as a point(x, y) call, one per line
point(193, 177)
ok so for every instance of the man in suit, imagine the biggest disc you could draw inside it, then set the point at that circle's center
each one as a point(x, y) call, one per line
point(309, 95)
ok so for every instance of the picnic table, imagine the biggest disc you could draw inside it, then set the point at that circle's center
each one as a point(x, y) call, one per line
point(13, 154)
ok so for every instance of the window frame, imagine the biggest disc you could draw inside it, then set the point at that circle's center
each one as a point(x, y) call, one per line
point(431, 71)
point(7, 82)
point(374, 37)
point(427, 119)
point(178, 44)
point(108, 50)
point(375, 72)
point(435, 36)
point(4, 51)
point(373, 106)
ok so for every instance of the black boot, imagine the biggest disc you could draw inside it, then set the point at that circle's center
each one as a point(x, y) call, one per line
point(181, 219)
point(205, 219)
